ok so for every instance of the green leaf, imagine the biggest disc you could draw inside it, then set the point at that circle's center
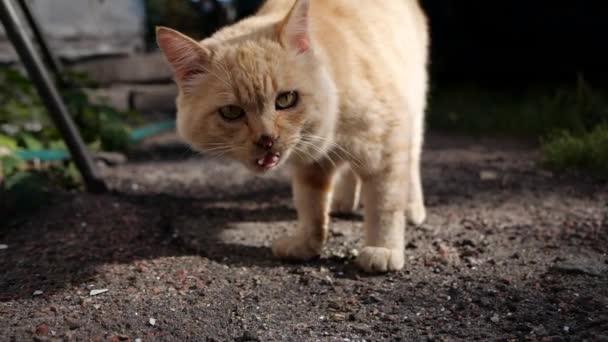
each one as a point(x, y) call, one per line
point(115, 137)
point(57, 145)
point(10, 164)
point(8, 142)
point(30, 142)
point(72, 173)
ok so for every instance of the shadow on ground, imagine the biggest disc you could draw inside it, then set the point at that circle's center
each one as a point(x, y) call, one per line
point(509, 252)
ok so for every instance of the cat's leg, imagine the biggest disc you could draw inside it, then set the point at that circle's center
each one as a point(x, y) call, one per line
point(347, 188)
point(312, 195)
point(384, 221)
point(416, 212)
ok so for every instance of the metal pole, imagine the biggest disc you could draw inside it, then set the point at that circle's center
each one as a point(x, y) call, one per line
point(51, 60)
point(50, 96)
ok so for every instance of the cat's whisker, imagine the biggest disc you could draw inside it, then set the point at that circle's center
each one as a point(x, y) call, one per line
point(353, 159)
point(318, 149)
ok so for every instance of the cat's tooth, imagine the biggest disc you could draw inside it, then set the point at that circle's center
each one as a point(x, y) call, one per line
point(261, 162)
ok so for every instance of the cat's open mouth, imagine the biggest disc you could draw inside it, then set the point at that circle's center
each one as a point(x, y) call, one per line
point(269, 161)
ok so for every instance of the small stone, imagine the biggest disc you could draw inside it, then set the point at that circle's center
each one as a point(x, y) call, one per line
point(375, 298)
point(3, 246)
point(488, 175)
point(73, 323)
point(327, 281)
point(566, 329)
point(337, 317)
point(495, 318)
point(42, 330)
point(37, 293)
point(138, 339)
point(98, 292)
point(152, 321)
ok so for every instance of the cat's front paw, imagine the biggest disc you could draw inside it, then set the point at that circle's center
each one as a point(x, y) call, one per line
point(416, 214)
point(296, 248)
point(380, 259)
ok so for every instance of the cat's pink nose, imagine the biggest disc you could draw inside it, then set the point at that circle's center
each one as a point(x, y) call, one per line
point(266, 142)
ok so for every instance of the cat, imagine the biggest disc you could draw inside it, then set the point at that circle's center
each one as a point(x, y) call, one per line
point(337, 89)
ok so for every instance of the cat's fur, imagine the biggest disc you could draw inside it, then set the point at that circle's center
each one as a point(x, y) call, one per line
point(360, 70)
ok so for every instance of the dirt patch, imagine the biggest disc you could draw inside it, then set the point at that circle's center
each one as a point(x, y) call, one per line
point(509, 252)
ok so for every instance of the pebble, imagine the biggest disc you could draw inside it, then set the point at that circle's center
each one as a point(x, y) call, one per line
point(3, 246)
point(337, 317)
point(73, 323)
point(42, 330)
point(37, 293)
point(495, 318)
point(98, 292)
point(327, 281)
point(375, 298)
point(488, 175)
point(152, 321)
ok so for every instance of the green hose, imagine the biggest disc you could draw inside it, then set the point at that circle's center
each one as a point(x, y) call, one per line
point(59, 155)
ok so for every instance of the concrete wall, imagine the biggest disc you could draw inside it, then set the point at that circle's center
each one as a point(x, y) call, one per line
point(85, 28)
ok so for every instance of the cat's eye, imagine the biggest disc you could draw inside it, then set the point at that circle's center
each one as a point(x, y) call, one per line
point(287, 100)
point(231, 113)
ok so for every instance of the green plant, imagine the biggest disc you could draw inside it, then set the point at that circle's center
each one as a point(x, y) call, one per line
point(570, 122)
point(25, 124)
point(584, 152)
point(527, 112)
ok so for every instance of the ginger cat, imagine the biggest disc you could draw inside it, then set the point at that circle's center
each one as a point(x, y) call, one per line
point(336, 89)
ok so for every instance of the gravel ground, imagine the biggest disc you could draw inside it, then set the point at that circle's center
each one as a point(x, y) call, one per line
point(179, 252)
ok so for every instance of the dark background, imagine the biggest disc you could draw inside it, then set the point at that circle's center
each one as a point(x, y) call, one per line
point(501, 41)
point(515, 41)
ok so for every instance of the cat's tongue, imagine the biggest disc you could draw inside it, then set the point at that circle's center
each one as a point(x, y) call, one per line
point(269, 161)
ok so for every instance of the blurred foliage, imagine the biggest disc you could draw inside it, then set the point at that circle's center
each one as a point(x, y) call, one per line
point(533, 112)
point(568, 121)
point(586, 152)
point(26, 125)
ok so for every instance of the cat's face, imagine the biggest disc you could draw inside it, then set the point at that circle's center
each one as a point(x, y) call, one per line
point(257, 101)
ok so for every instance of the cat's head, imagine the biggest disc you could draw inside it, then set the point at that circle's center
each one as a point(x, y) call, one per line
point(261, 97)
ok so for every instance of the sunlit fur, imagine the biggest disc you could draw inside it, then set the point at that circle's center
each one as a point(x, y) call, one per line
point(360, 70)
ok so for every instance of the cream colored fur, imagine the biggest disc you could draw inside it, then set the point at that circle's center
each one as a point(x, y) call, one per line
point(360, 70)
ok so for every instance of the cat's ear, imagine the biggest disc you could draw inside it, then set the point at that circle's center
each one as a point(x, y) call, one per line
point(186, 57)
point(294, 30)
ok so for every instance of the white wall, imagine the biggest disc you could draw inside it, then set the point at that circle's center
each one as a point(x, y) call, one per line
point(82, 28)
